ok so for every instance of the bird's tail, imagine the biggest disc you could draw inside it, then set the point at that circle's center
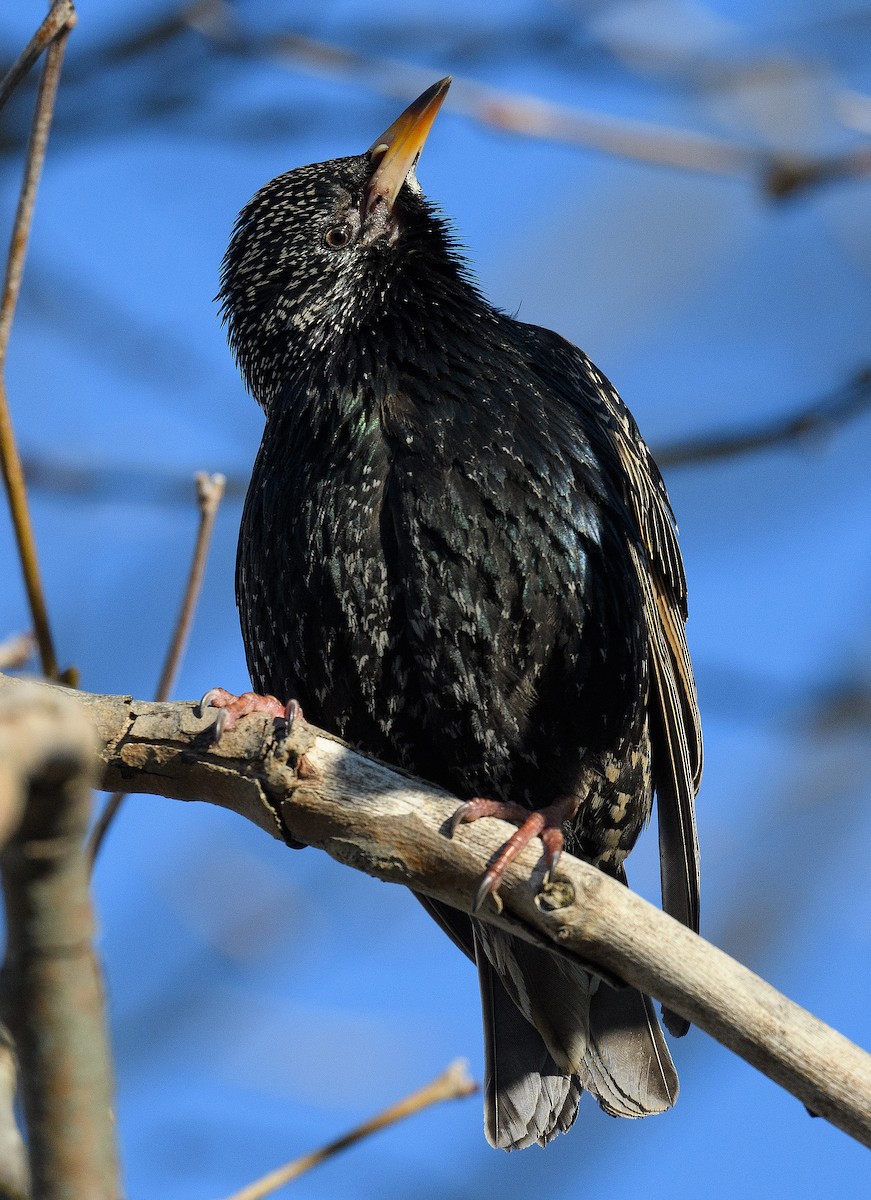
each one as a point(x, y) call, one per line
point(551, 1029)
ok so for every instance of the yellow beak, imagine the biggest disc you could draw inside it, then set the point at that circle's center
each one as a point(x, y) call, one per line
point(396, 151)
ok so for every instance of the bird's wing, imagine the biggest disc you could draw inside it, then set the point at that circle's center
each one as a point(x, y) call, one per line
point(675, 727)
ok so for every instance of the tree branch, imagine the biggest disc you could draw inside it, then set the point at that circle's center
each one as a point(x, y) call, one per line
point(819, 417)
point(52, 992)
point(314, 789)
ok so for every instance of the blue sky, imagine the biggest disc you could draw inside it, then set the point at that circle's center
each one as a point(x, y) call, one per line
point(263, 1001)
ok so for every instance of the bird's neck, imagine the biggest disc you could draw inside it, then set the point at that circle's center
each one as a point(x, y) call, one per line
point(406, 340)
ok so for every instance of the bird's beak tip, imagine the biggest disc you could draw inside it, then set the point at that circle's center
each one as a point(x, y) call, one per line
point(395, 152)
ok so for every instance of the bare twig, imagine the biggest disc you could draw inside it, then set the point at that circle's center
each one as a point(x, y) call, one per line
point(60, 19)
point(10, 460)
point(312, 789)
point(210, 489)
point(819, 417)
point(453, 1084)
point(51, 986)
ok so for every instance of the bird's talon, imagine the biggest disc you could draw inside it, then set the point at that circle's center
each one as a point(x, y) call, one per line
point(292, 712)
point(488, 887)
point(219, 726)
point(553, 841)
point(458, 818)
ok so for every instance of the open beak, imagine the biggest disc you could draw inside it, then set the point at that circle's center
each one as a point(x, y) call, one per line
point(397, 150)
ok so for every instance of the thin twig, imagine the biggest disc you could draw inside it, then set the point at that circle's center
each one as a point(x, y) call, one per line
point(820, 416)
point(210, 489)
point(10, 460)
point(452, 1084)
point(60, 19)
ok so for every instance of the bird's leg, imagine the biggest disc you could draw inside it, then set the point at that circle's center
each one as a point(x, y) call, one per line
point(231, 708)
point(545, 823)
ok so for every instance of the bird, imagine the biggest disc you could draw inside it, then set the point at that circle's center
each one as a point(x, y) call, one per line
point(458, 554)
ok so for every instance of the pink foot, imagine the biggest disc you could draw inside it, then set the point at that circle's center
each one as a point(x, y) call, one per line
point(231, 708)
point(543, 823)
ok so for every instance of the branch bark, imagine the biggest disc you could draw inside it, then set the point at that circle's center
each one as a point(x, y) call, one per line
point(313, 789)
point(52, 993)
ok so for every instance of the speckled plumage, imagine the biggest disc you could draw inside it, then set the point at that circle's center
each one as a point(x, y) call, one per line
point(457, 553)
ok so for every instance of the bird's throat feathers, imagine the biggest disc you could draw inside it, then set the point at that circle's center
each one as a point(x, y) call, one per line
point(350, 321)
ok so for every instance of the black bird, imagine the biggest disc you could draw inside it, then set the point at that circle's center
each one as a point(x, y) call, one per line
point(458, 554)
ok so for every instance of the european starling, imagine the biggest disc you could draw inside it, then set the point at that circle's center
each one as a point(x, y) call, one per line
point(458, 554)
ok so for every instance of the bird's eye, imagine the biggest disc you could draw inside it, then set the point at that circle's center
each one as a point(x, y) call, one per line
point(338, 236)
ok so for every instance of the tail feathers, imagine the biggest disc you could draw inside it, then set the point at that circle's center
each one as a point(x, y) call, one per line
point(552, 993)
point(628, 1066)
point(551, 1030)
point(527, 1097)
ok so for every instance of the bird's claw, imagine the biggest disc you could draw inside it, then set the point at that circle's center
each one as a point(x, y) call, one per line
point(545, 824)
point(489, 886)
point(231, 708)
point(473, 810)
point(220, 723)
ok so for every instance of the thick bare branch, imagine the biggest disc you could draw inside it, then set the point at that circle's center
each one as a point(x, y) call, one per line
point(314, 789)
point(52, 993)
point(14, 1168)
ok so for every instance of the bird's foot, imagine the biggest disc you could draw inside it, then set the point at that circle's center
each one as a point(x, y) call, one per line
point(231, 708)
point(544, 823)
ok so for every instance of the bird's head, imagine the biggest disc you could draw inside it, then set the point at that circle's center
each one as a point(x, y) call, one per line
point(326, 249)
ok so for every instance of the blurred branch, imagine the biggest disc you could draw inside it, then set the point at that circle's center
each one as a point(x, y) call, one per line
point(13, 475)
point(60, 20)
point(496, 108)
point(820, 417)
point(453, 1084)
point(785, 176)
point(210, 489)
point(14, 1168)
point(52, 993)
point(780, 174)
point(158, 485)
point(16, 651)
point(99, 481)
point(313, 789)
